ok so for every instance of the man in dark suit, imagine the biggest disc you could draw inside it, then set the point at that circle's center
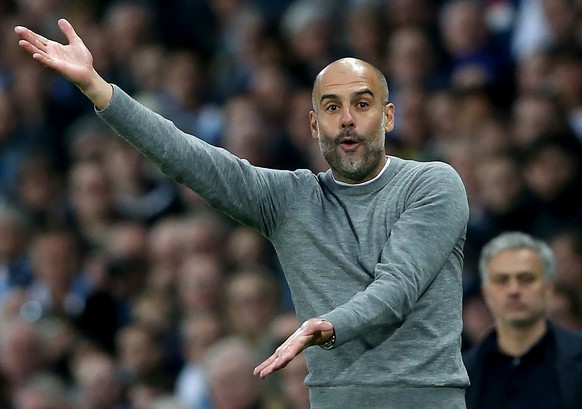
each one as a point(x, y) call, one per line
point(526, 362)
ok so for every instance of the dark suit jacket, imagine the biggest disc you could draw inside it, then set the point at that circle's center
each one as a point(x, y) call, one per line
point(568, 368)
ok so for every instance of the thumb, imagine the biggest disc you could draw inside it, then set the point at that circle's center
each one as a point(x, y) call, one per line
point(318, 325)
point(324, 325)
point(68, 31)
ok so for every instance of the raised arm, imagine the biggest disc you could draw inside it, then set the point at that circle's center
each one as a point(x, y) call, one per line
point(73, 61)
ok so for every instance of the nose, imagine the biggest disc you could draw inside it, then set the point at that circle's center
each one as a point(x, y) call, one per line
point(513, 286)
point(347, 118)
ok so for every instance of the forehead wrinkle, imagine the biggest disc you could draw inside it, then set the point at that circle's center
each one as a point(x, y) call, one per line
point(360, 92)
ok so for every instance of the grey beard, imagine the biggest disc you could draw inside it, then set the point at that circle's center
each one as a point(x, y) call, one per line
point(354, 167)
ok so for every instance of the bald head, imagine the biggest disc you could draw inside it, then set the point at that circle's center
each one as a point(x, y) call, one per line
point(356, 67)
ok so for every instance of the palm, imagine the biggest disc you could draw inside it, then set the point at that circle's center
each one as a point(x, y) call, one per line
point(74, 60)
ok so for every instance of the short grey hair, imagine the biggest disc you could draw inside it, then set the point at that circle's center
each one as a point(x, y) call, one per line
point(517, 241)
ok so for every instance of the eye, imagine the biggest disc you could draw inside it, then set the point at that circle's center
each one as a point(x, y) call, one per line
point(499, 279)
point(332, 107)
point(527, 278)
point(363, 104)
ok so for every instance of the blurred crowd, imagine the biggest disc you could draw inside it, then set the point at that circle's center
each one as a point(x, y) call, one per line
point(120, 289)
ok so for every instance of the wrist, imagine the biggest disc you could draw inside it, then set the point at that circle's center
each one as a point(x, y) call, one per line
point(98, 91)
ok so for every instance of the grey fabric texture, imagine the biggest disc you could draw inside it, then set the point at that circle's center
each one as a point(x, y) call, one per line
point(382, 261)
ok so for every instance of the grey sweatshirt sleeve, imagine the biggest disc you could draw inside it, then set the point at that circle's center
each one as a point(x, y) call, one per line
point(251, 195)
point(422, 241)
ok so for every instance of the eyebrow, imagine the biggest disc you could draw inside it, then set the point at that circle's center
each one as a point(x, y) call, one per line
point(365, 91)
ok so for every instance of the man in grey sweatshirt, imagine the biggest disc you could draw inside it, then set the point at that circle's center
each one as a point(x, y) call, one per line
point(372, 248)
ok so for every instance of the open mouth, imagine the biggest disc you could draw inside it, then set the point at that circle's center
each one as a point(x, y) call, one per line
point(349, 143)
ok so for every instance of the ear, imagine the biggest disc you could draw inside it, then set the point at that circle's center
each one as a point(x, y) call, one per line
point(389, 115)
point(313, 125)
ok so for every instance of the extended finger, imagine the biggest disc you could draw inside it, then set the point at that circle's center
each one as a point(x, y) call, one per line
point(31, 37)
point(29, 47)
point(38, 55)
point(265, 364)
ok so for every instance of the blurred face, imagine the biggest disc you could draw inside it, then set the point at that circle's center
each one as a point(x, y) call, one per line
point(516, 291)
point(549, 185)
point(55, 259)
point(350, 120)
point(137, 352)
point(233, 387)
point(499, 184)
point(251, 306)
point(200, 284)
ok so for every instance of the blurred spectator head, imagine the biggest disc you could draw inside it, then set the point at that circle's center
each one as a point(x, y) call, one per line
point(16, 231)
point(441, 115)
point(270, 88)
point(154, 311)
point(40, 190)
point(565, 76)
point(139, 352)
point(463, 27)
point(143, 393)
point(22, 353)
point(495, 137)
point(91, 196)
point(409, 57)
point(166, 253)
point(558, 154)
point(147, 65)
point(183, 79)
point(412, 130)
point(244, 135)
point(165, 242)
point(129, 25)
point(87, 139)
point(500, 183)
point(245, 247)
point(200, 331)
point(306, 27)
point(229, 368)
point(364, 32)
point(127, 239)
point(565, 307)
point(43, 391)
point(55, 258)
point(98, 381)
point(534, 115)
point(474, 107)
point(253, 301)
point(204, 233)
point(532, 72)
point(200, 283)
point(567, 247)
point(560, 16)
point(419, 13)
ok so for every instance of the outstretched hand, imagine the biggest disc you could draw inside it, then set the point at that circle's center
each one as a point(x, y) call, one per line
point(314, 331)
point(73, 60)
